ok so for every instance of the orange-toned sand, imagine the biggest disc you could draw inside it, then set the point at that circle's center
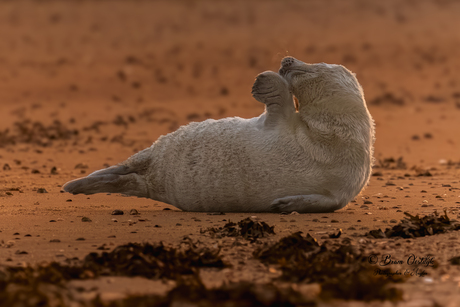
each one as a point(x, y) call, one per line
point(85, 84)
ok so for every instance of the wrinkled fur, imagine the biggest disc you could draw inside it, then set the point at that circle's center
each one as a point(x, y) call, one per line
point(314, 160)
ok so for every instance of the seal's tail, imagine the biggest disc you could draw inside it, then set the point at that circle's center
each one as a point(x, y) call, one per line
point(115, 179)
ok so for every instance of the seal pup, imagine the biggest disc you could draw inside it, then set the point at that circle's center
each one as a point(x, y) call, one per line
point(338, 135)
point(276, 162)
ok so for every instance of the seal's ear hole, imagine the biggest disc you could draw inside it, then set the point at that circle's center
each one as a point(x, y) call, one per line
point(296, 104)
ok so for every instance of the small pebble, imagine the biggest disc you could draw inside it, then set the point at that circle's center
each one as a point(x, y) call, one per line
point(117, 212)
point(55, 240)
point(42, 190)
point(85, 219)
point(216, 213)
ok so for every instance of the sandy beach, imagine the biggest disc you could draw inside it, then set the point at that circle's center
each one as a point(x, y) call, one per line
point(86, 84)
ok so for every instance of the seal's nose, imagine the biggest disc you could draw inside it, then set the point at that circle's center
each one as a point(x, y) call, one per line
point(285, 64)
point(287, 61)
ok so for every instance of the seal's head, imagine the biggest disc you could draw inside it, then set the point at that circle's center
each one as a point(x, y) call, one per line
point(318, 84)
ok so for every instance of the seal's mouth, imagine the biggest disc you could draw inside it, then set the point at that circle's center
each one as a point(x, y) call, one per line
point(290, 72)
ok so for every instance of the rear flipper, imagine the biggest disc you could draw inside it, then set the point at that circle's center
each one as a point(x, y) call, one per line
point(313, 203)
point(115, 179)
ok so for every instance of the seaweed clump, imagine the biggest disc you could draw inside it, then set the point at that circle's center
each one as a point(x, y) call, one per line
point(45, 285)
point(414, 226)
point(30, 132)
point(247, 228)
point(147, 260)
point(342, 272)
point(391, 163)
point(241, 294)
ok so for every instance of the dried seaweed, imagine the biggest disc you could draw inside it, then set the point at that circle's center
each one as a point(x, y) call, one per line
point(415, 226)
point(290, 248)
point(343, 272)
point(387, 98)
point(247, 228)
point(152, 261)
point(391, 163)
point(45, 285)
point(132, 259)
point(37, 294)
point(242, 294)
point(30, 132)
point(455, 260)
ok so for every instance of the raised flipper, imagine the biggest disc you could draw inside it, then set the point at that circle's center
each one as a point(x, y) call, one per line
point(115, 179)
point(272, 90)
point(313, 203)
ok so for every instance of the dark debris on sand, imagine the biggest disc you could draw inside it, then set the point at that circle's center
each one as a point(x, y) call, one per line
point(132, 259)
point(33, 132)
point(152, 261)
point(45, 285)
point(414, 226)
point(342, 271)
point(242, 294)
point(391, 163)
point(247, 228)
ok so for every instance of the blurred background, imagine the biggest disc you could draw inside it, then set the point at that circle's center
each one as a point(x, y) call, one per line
point(138, 69)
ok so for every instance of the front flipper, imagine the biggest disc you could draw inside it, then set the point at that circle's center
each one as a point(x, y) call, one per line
point(115, 179)
point(313, 203)
point(272, 90)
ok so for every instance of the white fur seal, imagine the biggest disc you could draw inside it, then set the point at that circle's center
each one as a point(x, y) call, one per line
point(313, 160)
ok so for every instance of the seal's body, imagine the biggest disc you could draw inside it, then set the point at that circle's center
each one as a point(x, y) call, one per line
point(313, 160)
